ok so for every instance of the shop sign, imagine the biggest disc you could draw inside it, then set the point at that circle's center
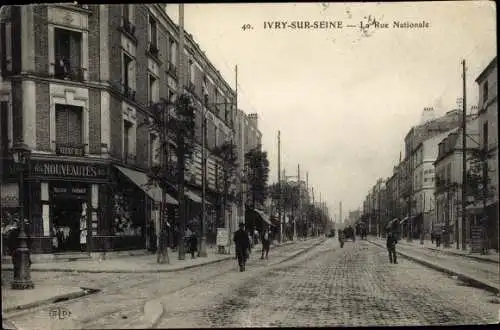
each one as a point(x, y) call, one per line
point(68, 170)
point(9, 195)
point(71, 190)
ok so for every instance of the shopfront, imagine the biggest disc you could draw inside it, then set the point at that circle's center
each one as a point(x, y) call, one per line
point(61, 201)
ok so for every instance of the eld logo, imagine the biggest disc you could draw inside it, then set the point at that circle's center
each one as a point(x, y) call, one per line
point(59, 313)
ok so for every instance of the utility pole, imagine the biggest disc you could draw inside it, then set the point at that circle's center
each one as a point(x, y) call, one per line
point(203, 250)
point(299, 213)
point(279, 187)
point(410, 220)
point(340, 211)
point(308, 202)
point(464, 154)
point(230, 231)
point(180, 174)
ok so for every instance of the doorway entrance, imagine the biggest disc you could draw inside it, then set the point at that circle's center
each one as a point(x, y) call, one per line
point(67, 224)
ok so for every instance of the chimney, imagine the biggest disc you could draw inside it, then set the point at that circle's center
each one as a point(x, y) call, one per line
point(253, 119)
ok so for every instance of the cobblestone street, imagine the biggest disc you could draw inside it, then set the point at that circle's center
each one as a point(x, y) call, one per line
point(121, 300)
point(329, 286)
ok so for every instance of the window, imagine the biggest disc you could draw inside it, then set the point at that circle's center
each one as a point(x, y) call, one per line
point(68, 54)
point(153, 149)
point(128, 71)
point(128, 19)
point(485, 91)
point(191, 71)
point(69, 129)
point(6, 47)
point(173, 52)
point(153, 33)
point(153, 92)
point(127, 135)
point(485, 136)
point(4, 129)
point(171, 95)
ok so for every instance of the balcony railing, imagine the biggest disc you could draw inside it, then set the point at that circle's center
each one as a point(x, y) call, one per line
point(128, 28)
point(129, 158)
point(153, 50)
point(172, 69)
point(63, 70)
point(129, 93)
point(70, 149)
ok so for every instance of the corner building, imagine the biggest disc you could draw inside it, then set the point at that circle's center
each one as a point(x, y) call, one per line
point(76, 84)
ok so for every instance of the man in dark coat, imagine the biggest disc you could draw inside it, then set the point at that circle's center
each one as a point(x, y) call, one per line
point(242, 245)
point(391, 247)
point(266, 243)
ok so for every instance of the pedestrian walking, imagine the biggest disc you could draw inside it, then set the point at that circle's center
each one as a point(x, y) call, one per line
point(341, 238)
point(391, 247)
point(266, 243)
point(193, 244)
point(242, 246)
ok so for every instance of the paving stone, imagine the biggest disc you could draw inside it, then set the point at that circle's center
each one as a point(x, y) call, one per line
point(353, 286)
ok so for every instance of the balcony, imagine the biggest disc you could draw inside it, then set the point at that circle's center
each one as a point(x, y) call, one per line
point(129, 158)
point(153, 51)
point(63, 70)
point(128, 92)
point(172, 69)
point(70, 149)
point(128, 29)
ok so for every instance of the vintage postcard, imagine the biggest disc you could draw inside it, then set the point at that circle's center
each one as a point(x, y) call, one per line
point(169, 165)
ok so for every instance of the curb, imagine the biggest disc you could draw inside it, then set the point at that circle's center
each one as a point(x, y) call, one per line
point(68, 296)
point(464, 255)
point(465, 278)
point(114, 271)
point(136, 271)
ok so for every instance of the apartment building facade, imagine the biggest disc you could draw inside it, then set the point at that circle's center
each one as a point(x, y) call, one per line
point(448, 182)
point(77, 84)
point(424, 183)
point(488, 141)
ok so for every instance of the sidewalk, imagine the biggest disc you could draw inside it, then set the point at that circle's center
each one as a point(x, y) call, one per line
point(492, 257)
point(479, 273)
point(133, 264)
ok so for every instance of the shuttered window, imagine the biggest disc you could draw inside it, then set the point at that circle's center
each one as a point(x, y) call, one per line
point(4, 128)
point(68, 125)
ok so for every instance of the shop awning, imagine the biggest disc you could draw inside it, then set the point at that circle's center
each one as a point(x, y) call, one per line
point(263, 216)
point(141, 180)
point(195, 197)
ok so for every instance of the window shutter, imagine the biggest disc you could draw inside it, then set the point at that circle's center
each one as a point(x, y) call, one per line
point(61, 125)
point(131, 12)
point(131, 74)
point(8, 46)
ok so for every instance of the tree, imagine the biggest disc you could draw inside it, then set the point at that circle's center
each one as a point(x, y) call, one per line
point(174, 122)
point(226, 152)
point(257, 167)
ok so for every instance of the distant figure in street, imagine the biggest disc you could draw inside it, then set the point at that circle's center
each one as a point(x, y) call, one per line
point(242, 246)
point(266, 243)
point(391, 247)
point(341, 238)
point(193, 244)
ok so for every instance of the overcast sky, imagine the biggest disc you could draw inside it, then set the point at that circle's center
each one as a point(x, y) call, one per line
point(342, 100)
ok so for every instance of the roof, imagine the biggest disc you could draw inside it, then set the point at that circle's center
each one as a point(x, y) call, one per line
point(488, 68)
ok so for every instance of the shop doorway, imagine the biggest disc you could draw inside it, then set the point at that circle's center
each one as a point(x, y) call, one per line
point(69, 222)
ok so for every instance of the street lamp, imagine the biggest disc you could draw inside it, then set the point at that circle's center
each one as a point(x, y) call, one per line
point(22, 280)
